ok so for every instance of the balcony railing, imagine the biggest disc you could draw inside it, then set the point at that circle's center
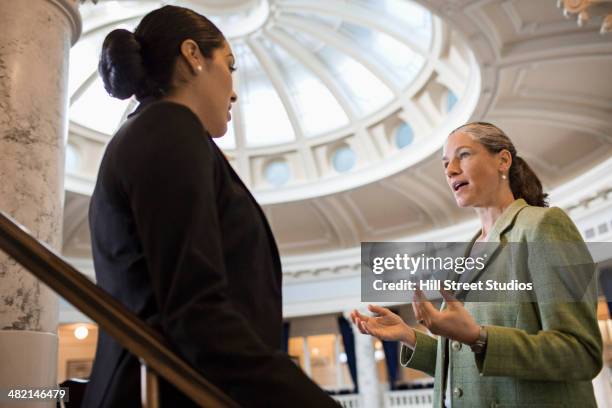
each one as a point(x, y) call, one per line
point(420, 398)
point(114, 318)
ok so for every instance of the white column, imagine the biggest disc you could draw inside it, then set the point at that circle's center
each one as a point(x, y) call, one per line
point(367, 374)
point(35, 40)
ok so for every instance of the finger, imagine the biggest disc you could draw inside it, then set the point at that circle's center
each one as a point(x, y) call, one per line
point(419, 296)
point(416, 305)
point(423, 315)
point(428, 310)
point(451, 301)
point(372, 331)
point(425, 309)
point(365, 329)
point(415, 309)
point(361, 316)
point(354, 317)
point(359, 324)
point(357, 321)
point(381, 311)
point(449, 297)
point(420, 299)
point(419, 312)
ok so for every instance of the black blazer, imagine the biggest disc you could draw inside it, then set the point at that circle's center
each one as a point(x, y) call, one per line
point(179, 240)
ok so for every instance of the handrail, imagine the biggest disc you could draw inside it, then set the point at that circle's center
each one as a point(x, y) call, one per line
point(114, 318)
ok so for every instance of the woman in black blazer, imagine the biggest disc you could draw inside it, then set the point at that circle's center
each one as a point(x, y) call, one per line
point(176, 235)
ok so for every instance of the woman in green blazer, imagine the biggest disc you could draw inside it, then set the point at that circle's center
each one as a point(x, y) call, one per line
point(541, 353)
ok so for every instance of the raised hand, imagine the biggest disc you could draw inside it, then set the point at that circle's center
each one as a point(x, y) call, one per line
point(384, 325)
point(454, 322)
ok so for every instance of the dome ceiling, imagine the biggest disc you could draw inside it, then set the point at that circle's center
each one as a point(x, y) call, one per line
point(518, 64)
point(305, 68)
point(328, 90)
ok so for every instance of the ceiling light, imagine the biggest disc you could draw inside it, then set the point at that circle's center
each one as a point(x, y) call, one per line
point(81, 332)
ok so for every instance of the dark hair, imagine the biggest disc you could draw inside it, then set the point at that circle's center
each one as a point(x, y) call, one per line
point(142, 63)
point(523, 181)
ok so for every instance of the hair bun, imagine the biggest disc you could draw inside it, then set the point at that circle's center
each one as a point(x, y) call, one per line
point(121, 65)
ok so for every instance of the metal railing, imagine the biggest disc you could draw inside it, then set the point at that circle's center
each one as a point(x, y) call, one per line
point(131, 332)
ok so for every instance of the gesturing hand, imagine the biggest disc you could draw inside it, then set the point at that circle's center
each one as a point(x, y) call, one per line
point(454, 322)
point(384, 325)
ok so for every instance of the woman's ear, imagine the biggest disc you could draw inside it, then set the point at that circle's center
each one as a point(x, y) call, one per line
point(505, 158)
point(191, 53)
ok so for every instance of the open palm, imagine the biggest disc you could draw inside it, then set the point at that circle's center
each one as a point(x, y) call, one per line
point(454, 322)
point(384, 325)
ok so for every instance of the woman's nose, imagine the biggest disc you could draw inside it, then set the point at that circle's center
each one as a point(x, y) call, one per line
point(452, 169)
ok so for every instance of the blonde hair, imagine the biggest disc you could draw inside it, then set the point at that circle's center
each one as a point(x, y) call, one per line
point(523, 181)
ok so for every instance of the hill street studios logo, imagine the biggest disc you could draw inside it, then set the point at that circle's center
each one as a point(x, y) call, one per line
point(392, 271)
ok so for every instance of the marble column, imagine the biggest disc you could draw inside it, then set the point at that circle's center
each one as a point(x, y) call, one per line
point(35, 40)
point(367, 374)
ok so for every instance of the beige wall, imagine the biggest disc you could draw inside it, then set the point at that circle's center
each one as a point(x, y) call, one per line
point(77, 352)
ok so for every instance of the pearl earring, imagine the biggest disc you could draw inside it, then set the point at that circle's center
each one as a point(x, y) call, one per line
point(199, 68)
point(504, 176)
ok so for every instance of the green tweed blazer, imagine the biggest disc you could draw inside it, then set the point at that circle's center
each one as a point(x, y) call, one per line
point(541, 353)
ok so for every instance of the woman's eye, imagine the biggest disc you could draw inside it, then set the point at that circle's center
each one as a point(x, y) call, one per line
point(463, 154)
point(232, 68)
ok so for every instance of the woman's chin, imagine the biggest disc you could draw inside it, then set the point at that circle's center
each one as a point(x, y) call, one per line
point(462, 202)
point(218, 131)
